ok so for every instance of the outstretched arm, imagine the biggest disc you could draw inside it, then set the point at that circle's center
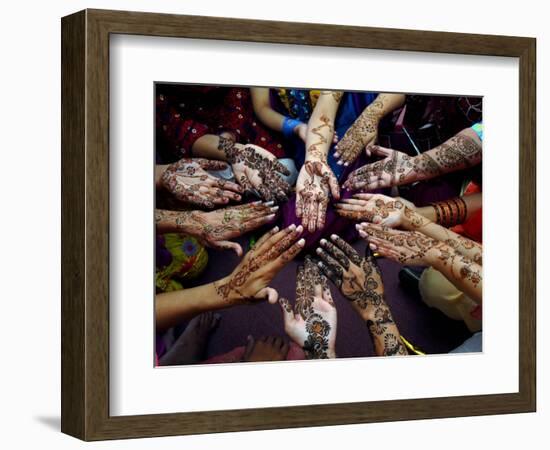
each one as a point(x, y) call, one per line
point(247, 283)
point(360, 281)
point(397, 168)
point(364, 131)
point(396, 212)
point(316, 179)
point(415, 248)
point(215, 228)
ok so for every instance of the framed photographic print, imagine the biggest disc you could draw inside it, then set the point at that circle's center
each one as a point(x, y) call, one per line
point(273, 225)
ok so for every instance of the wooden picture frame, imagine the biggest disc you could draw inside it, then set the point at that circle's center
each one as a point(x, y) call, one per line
point(85, 224)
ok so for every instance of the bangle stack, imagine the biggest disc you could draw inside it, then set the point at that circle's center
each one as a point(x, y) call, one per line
point(450, 212)
point(289, 125)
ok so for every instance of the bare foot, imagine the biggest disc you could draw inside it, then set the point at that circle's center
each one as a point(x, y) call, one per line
point(265, 349)
point(190, 347)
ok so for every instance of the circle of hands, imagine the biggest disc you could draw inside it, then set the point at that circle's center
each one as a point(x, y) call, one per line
point(311, 322)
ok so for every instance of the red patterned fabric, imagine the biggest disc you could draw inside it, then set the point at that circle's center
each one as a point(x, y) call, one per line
point(185, 113)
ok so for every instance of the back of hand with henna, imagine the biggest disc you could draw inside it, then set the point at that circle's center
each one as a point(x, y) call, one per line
point(256, 169)
point(360, 281)
point(250, 280)
point(312, 321)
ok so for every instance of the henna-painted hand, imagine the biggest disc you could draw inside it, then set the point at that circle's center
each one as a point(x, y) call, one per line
point(314, 183)
point(312, 322)
point(361, 135)
point(360, 281)
point(358, 278)
point(256, 170)
point(250, 280)
point(380, 209)
point(214, 228)
point(407, 247)
point(188, 181)
point(395, 169)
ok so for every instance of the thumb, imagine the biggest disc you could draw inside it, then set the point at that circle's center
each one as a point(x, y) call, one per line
point(288, 313)
point(267, 293)
point(380, 151)
point(334, 187)
point(227, 245)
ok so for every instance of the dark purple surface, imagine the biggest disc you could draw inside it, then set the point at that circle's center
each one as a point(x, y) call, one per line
point(425, 327)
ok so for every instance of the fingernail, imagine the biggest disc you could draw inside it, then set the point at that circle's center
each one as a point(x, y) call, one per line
point(333, 236)
point(275, 208)
point(270, 203)
point(362, 233)
point(346, 164)
point(372, 246)
point(299, 229)
point(271, 217)
point(357, 226)
point(292, 227)
point(336, 154)
point(301, 242)
point(323, 241)
point(318, 251)
point(339, 163)
point(275, 229)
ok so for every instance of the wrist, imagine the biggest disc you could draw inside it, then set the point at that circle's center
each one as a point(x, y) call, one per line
point(412, 220)
point(226, 294)
point(373, 114)
point(428, 212)
point(186, 222)
point(437, 256)
point(315, 158)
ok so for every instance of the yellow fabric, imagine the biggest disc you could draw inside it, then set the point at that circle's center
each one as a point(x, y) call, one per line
point(440, 293)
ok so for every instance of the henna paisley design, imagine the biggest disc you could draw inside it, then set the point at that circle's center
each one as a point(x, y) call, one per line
point(360, 281)
point(256, 169)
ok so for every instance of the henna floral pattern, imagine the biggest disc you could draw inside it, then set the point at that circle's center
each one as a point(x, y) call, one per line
point(362, 133)
point(312, 321)
point(256, 169)
point(316, 344)
point(413, 247)
point(215, 227)
point(188, 181)
point(260, 265)
point(397, 168)
point(360, 281)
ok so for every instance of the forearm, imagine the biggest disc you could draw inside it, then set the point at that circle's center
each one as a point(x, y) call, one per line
point(178, 222)
point(174, 307)
point(413, 221)
point(459, 152)
point(320, 130)
point(384, 332)
point(264, 111)
point(462, 272)
point(384, 104)
point(208, 146)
